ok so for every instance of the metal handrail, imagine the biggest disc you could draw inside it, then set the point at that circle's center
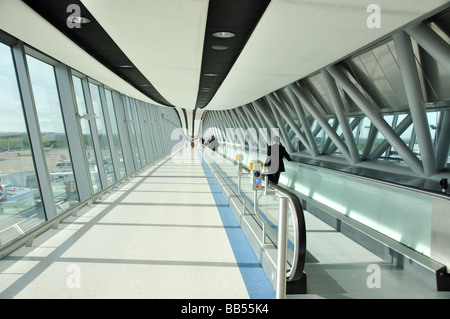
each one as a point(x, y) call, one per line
point(299, 253)
point(299, 259)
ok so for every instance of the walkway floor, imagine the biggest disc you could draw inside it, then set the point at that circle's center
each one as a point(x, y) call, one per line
point(339, 268)
point(159, 236)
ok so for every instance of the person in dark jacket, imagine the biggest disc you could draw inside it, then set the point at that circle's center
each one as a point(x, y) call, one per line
point(213, 143)
point(274, 162)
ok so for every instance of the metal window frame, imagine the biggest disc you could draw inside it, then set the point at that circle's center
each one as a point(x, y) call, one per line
point(73, 130)
point(95, 139)
point(32, 122)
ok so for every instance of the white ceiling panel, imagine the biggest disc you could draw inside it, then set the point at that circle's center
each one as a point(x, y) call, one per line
point(22, 22)
point(296, 38)
point(163, 38)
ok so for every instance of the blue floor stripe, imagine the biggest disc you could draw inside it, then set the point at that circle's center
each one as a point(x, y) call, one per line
point(255, 279)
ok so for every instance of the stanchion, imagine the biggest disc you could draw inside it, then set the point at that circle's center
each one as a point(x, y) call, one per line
point(282, 249)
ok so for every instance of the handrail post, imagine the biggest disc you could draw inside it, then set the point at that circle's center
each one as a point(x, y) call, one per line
point(282, 248)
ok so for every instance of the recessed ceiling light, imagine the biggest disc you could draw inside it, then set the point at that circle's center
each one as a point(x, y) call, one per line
point(210, 74)
point(223, 34)
point(219, 47)
point(205, 89)
point(80, 20)
point(126, 66)
point(145, 85)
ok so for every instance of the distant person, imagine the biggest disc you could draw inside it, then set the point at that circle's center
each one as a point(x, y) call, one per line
point(213, 143)
point(274, 162)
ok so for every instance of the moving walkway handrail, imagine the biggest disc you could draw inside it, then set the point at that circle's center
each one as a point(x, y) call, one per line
point(299, 259)
point(299, 253)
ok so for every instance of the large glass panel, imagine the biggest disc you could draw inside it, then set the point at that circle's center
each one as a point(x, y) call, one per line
point(139, 133)
point(132, 133)
point(53, 133)
point(362, 134)
point(20, 200)
point(359, 200)
point(147, 126)
point(102, 135)
point(115, 133)
point(87, 135)
point(380, 137)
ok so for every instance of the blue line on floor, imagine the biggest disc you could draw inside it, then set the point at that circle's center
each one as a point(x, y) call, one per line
point(255, 279)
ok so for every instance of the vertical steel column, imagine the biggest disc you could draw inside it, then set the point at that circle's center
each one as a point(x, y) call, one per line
point(388, 132)
point(413, 89)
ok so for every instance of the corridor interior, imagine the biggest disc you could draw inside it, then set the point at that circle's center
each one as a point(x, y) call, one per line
point(167, 233)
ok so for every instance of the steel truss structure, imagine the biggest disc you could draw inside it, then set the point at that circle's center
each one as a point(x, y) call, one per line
point(371, 110)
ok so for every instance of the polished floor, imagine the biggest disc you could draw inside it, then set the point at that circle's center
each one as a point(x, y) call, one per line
point(168, 233)
point(339, 268)
point(162, 235)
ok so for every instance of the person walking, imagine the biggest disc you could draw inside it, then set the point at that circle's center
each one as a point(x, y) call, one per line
point(274, 161)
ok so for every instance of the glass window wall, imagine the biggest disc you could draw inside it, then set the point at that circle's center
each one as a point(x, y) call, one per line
point(132, 132)
point(102, 135)
point(115, 133)
point(20, 200)
point(53, 133)
point(139, 135)
point(87, 135)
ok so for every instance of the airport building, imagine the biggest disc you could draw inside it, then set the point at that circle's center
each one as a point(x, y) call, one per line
point(224, 149)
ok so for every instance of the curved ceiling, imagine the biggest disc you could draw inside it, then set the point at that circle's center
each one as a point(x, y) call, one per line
point(168, 43)
point(296, 38)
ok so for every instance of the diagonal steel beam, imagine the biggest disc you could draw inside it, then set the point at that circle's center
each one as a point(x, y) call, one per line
point(303, 120)
point(291, 123)
point(384, 145)
point(321, 121)
point(283, 132)
point(342, 117)
point(429, 40)
point(416, 102)
point(388, 132)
